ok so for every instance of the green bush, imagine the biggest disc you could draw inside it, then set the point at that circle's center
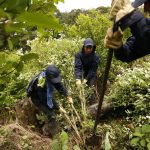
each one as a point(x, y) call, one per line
point(12, 81)
point(60, 52)
point(132, 86)
point(141, 137)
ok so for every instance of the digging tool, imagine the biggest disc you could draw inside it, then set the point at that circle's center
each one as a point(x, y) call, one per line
point(96, 139)
point(104, 82)
point(109, 59)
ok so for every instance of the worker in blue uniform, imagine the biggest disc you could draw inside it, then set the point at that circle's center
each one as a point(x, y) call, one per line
point(137, 45)
point(41, 88)
point(86, 63)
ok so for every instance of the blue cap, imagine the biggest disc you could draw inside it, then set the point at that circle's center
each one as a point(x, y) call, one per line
point(53, 74)
point(88, 42)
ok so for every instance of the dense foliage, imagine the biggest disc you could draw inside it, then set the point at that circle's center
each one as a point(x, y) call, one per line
point(141, 137)
point(130, 83)
point(19, 22)
point(24, 17)
point(132, 87)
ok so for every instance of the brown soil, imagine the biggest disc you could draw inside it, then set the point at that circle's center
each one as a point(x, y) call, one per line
point(15, 137)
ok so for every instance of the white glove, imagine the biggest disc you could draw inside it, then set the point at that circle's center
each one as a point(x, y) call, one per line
point(84, 81)
point(78, 82)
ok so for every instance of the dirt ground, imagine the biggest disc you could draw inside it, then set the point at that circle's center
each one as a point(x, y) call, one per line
point(16, 137)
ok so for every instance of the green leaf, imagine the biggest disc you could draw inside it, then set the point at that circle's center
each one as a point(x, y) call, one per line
point(148, 146)
point(16, 6)
point(10, 44)
point(2, 58)
point(146, 128)
point(4, 80)
point(138, 134)
point(64, 140)
point(19, 67)
point(2, 40)
point(143, 143)
point(3, 14)
point(28, 57)
point(41, 82)
point(138, 130)
point(39, 19)
point(17, 27)
point(55, 145)
point(8, 67)
point(148, 139)
point(134, 141)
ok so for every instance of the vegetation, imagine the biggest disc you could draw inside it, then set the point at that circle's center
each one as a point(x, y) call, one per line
point(132, 88)
point(47, 42)
point(141, 137)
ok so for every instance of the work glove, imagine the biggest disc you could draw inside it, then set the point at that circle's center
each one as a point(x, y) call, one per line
point(84, 81)
point(70, 100)
point(120, 8)
point(78, 82)
point(113, 40)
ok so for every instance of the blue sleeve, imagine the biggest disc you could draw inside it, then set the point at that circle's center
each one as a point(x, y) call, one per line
point(137, 3)
point(138, 44)
point(93, 69)
point(60, 88)
point(78, 66)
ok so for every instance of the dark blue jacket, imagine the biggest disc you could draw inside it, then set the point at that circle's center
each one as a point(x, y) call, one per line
point(86, 65)
point(138, 45)
point(39, 94)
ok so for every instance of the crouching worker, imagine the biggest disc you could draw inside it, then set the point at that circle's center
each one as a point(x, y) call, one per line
point(86, 65)
point(40, 89)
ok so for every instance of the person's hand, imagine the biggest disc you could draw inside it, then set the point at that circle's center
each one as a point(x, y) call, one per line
point(78, 82)
point(84, 81)
point(113, 40)
point(70, 100)
point(120, 8)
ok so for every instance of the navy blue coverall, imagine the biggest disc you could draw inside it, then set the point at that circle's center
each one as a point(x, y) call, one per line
point(138, 45)
point(86, 66)
point(39, 97)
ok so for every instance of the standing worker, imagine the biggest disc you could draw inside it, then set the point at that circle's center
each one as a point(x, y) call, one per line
point(40, 90)
point(136, 46)
point(86, 64)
